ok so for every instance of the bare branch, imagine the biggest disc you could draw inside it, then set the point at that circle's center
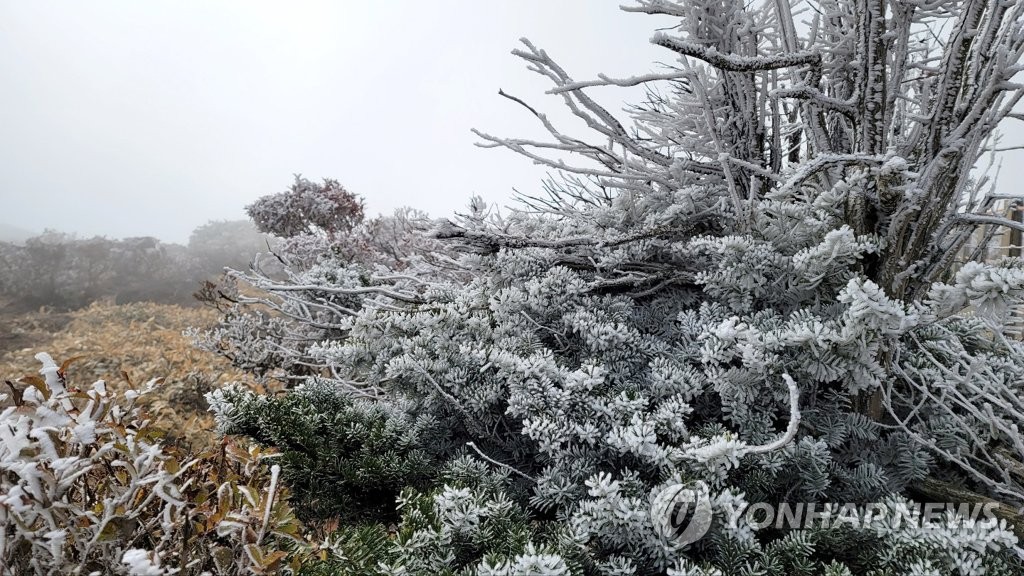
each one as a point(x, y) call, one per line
point(845, 108)
point(624, 82)
point(791, 428)
point(982, 219)
point(733, 62)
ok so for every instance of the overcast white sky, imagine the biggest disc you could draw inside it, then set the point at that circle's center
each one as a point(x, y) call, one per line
point(126, 118)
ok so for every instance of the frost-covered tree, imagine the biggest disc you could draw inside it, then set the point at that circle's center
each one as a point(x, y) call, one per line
point(752, 281)
point(293, 297)
point(307, 207)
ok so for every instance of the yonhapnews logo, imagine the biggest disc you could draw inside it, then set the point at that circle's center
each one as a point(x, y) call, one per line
point(682, 513)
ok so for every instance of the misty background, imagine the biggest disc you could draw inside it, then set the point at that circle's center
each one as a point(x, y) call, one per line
point(126, 118)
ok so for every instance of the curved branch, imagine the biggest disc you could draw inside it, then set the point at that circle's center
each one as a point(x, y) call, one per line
point(822, 162)
point(802, 92)
point(408, 298)
point(982, 219)
point(794, 421)
point(623, 82)
point(733, 62)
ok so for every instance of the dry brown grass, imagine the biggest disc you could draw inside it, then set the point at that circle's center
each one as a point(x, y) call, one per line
point(139, 341)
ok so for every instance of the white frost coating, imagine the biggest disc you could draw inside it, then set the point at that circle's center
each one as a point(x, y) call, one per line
point(55, 539)
point(49, 452)
point(49, 372)
point(991, 290)
point(141, 563)
point(791, 428)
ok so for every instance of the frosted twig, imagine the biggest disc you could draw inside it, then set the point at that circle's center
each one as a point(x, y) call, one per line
point(500, 464)
point(794, 422)
point(408, 298)
point(823, 162)
point(733, 62)
point(979, 219)
point(806, 92)
point(275, 472)
point(623, 82)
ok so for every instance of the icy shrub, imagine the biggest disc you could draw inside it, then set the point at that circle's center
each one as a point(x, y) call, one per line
point(307, 207)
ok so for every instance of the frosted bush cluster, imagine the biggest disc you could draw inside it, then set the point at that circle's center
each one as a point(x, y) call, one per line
point(761, 283)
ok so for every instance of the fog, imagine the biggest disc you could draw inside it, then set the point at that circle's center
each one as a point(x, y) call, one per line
point(124, 118)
